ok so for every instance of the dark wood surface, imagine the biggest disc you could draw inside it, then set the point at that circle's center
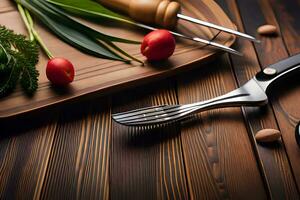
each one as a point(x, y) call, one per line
point(78, 152)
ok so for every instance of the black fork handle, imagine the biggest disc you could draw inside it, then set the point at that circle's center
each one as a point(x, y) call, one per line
point(277, 70)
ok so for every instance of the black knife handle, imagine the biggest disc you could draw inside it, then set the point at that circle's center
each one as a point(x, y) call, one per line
point(277, 69)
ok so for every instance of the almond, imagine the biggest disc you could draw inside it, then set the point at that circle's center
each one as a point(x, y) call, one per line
point(267, 29)
point(267, 135)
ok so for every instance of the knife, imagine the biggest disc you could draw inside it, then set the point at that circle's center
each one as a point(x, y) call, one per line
point(253, 93)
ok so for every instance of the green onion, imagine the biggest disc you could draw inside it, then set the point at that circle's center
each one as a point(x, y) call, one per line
point(77, 34)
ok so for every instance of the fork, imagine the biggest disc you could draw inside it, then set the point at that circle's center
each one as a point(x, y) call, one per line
point(252, 93)
point(249, 94)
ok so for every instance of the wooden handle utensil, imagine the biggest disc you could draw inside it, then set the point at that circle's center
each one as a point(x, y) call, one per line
point(164, 13)
point(160, 12)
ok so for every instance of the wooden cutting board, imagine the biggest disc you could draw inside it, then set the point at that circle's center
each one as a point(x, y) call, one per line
point(95, 75)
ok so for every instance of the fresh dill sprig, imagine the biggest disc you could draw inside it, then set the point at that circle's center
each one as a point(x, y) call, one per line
point(18, 58)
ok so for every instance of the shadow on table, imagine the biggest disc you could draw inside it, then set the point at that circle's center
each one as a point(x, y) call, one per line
point(64, 113)
point(141, 137)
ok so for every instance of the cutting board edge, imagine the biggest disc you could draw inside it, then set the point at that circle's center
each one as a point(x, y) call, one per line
point(7, 114)
point(115, 88)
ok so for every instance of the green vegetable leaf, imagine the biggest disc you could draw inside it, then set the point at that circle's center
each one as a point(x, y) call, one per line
point(95, 34)
point(4, 59)
point(29, 80)
point(89, 8)
point(3, 55)
point(9, 79)
point(75, 33)
point(70, 34)
point(71, 22)
point(19, 64)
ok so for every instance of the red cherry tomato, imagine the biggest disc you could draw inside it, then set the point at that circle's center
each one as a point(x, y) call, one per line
point(158, 45)
point(60, 71)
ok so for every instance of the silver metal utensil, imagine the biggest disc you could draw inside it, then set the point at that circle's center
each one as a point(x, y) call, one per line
point(217, 27)
point(253, 93)
point(196, 39)
point(166, 14)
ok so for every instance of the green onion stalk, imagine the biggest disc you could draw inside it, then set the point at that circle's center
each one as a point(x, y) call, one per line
point(33, 34)
point(59, 71)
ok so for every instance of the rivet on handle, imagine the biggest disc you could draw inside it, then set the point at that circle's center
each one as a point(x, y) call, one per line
point(270, 71)
point(164, 13)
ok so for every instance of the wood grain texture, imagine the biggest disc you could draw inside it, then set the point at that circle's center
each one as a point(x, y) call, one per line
point(79, 160)
point(6, 6)
point(287, 15)
point(147, 163)
point(216, 142)
point(273, 160)
point(94, 75)
point(24, 162)
point(77, 152)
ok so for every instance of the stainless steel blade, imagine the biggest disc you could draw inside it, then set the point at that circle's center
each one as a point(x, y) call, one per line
point(214, 26)
point(196, 39)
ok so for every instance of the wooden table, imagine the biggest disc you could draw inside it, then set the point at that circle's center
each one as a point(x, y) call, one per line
point(77, 151)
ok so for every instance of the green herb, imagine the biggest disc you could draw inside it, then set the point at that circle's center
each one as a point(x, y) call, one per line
point(90, 8)
point(18, 57)
point(77, 34)
point(94, 10)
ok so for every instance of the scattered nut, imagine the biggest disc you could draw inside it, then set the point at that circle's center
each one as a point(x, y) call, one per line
point(267, 135)
point(267, 29)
